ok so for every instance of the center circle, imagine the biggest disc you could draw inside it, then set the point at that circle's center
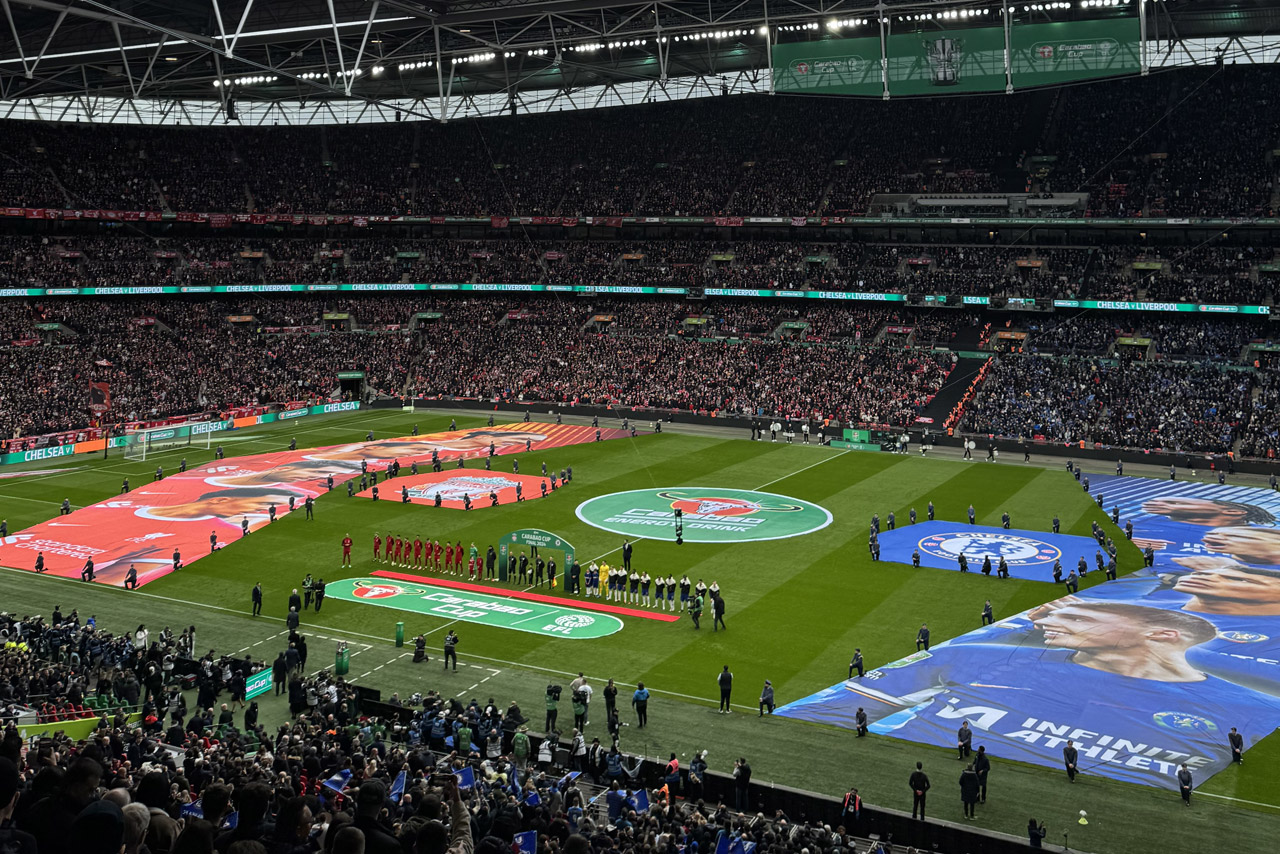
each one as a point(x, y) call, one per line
point(709, 514)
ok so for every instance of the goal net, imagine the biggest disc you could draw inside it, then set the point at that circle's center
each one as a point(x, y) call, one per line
point(146, 443)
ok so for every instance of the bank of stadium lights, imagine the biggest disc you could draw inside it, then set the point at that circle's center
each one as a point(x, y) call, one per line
point(794, 28)
point(474, 57)
point(541, 51)
point(1097, 4)
point(846, 22)
point(414, 66)
point(632, 43)
point(735, 34)
point(952, 14)
point(254, 80)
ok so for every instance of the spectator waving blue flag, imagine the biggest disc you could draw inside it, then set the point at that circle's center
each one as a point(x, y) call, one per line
point(397, 788)
point(722, 844)
point(639, 800)
point(466, 778)
point(533, 799)
point(338, 781)
point(195, 810)
point(739, 846)
point(527, 841)
point(231, 820)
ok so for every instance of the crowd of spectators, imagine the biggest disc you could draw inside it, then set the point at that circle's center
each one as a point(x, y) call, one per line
point(424, 775)
point(1132, 404)
point(755, 376)
point(1262, 438)
point(1146, 146)
point(66, 667)
point(176, 358)
point(1209, 274)
point(797, 359)
point(1153, 147)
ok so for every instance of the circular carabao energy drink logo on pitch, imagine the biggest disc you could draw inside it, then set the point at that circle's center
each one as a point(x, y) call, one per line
point(708, 514)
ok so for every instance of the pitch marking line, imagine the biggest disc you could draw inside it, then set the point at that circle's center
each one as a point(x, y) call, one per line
point(805, 469)
point(1238, 800)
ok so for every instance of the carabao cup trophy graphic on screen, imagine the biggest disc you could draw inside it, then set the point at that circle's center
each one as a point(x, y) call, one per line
point(944, 60)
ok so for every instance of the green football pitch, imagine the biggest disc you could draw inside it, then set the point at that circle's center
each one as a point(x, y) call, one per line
point(797, 607)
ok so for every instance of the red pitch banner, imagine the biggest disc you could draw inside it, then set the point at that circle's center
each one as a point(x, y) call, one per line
point(181, 512)
point(453, 484)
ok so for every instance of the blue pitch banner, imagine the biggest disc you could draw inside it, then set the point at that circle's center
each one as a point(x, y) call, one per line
point(1141, 674)
point(1029, 554)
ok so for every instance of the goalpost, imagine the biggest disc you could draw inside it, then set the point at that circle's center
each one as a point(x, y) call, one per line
point(145, 443)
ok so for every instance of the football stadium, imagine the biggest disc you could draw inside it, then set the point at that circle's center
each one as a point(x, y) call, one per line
point(578, 426)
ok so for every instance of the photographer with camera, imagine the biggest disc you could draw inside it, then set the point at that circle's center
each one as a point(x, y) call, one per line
point(1035, 833)
point(579, 701)
point(553, 706)
point(742, 785)
point(579, 687)
point(451, 649)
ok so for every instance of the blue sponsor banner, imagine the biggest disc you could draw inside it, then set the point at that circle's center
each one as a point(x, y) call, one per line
point(1141, 674)
point(1029, 554)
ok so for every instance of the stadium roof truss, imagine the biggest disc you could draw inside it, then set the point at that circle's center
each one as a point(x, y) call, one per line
point(199, 62)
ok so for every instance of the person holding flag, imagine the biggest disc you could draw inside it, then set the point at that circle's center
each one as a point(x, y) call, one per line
point(397, 787)
point(338, 782)
point(526, 842)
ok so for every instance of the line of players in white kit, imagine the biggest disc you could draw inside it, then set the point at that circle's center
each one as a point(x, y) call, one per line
point(640, 588)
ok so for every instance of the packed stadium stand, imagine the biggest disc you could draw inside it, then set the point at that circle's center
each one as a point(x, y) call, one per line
point(1147, 380)
point(1151, 149)
point(1089, 267)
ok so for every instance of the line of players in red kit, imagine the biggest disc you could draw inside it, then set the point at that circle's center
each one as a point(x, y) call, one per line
point(421, 554)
